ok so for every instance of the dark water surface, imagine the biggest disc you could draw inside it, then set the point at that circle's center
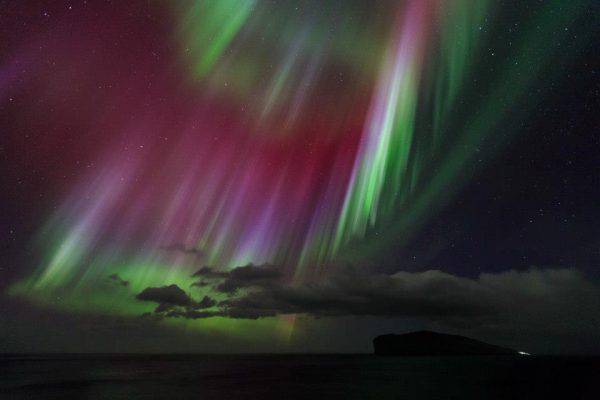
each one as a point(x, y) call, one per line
point(296, 377)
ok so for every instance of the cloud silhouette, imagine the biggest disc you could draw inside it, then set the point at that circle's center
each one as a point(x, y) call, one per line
point(561, 300)
point(557, 301)
point(172, 296)
point(250, 275)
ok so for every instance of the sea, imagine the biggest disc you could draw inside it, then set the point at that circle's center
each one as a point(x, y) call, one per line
point(126, 376)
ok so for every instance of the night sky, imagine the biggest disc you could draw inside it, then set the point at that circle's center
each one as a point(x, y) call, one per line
point(248, 175)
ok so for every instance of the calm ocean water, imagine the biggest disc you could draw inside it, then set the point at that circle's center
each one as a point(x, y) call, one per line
point(297, 377)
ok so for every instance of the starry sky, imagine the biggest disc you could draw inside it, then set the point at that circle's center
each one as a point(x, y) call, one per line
point(253, 175)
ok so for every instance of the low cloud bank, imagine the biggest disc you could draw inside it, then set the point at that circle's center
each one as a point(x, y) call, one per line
point(171, 297)
point(555, 299)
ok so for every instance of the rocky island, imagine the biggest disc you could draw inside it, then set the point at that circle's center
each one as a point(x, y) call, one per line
point(428, 343)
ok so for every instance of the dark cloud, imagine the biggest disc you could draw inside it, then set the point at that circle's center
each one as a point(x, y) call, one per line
point(192, 314)
point(235, 313)
point(174, 302)
point(190, 310)
point(206, 302)
point(169, 295)
point(240, 277)
point(172, 299)
point(252, 273)
point(118, 280)
point(430, 294)
point(533, 302)
point(249, 275)
point(557, 299)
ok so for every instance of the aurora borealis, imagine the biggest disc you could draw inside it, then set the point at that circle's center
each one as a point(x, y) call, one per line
point(303, 136)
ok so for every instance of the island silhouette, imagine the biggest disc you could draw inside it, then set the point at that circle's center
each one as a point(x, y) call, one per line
point(428, 343)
